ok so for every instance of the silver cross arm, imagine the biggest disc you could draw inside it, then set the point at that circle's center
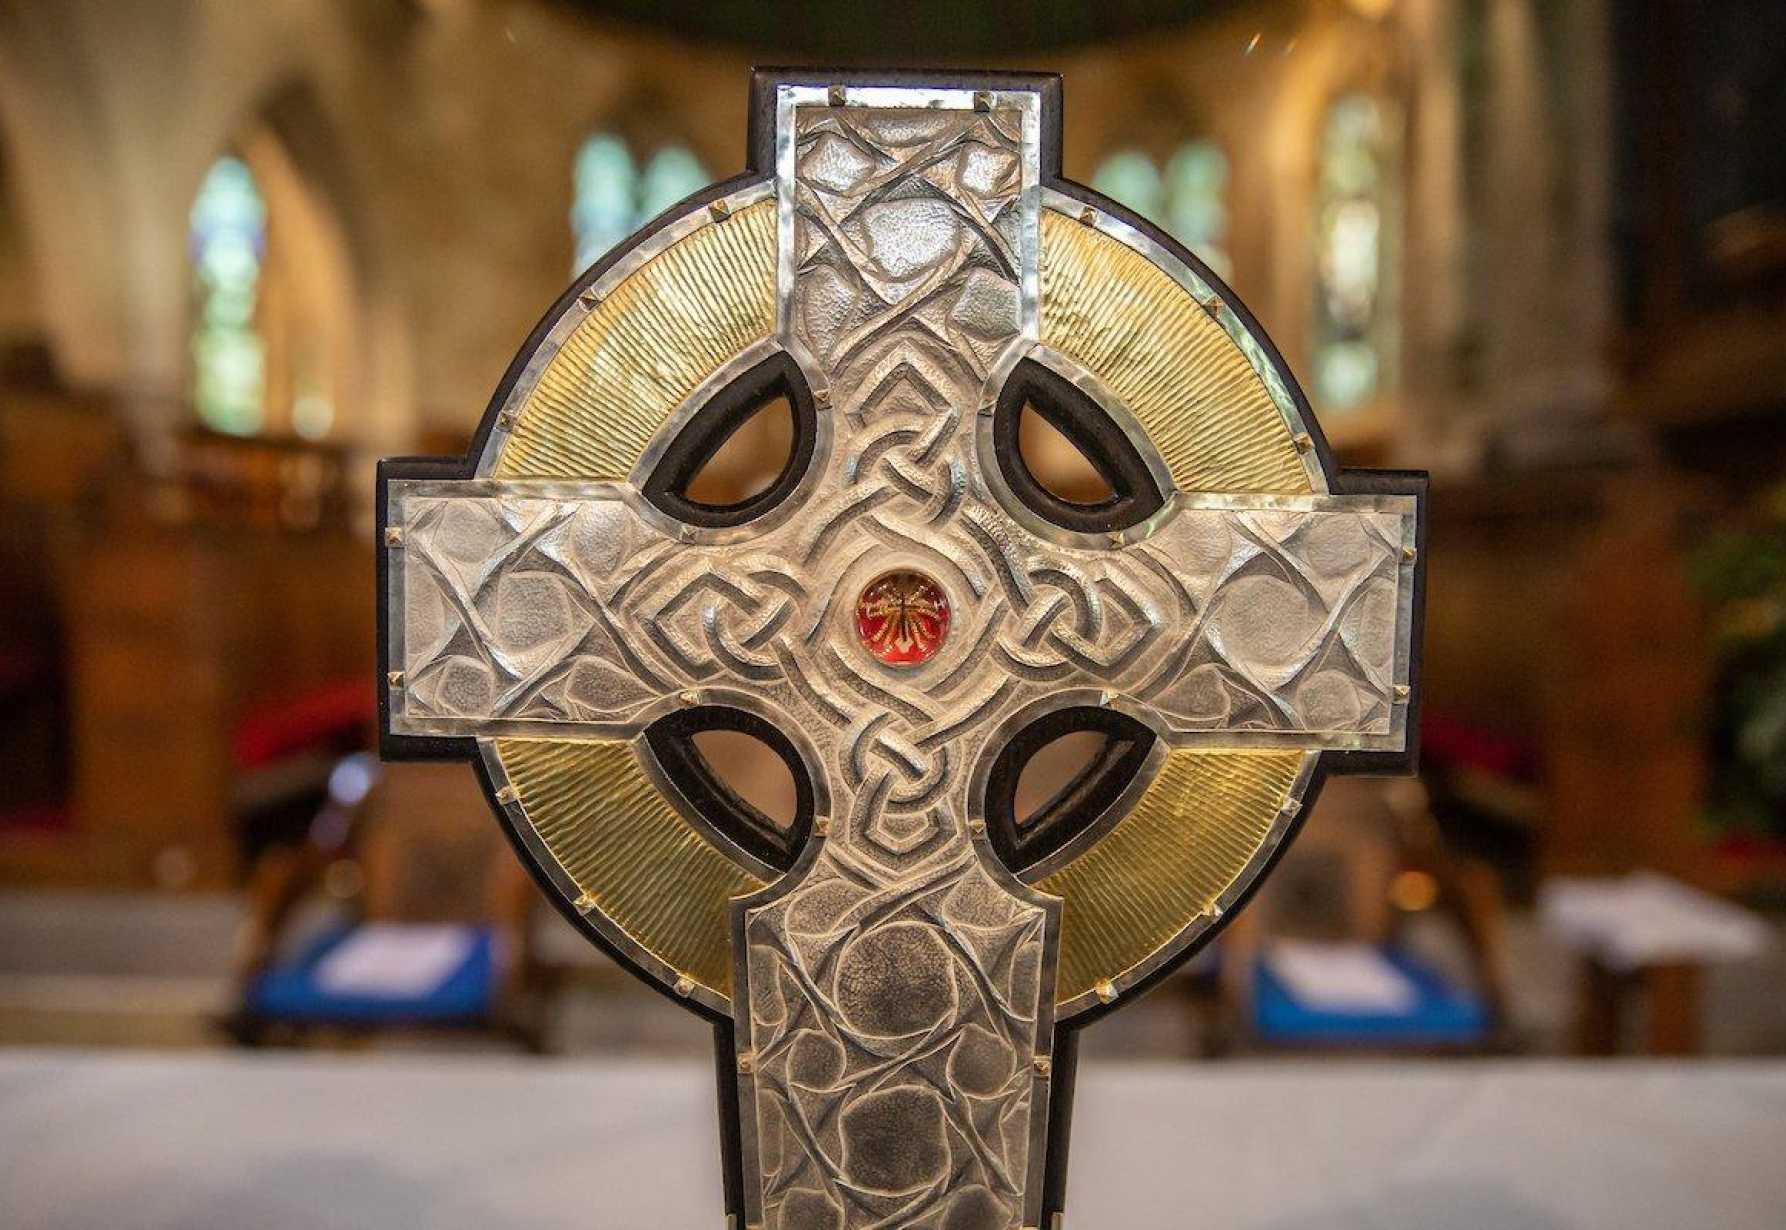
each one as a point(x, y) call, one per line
point(529, 608)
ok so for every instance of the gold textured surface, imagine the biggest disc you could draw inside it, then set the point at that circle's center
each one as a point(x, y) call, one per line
point(1198, 827)
point(644, 348)
point(1129, 324)
point(646, 869)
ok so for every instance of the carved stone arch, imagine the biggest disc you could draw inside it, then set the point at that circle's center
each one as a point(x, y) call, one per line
point(1158, 111)
point(67, 211)
point(21, 305)
point(648, 119)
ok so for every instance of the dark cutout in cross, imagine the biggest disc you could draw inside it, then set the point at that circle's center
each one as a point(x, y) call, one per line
point(891, 1021)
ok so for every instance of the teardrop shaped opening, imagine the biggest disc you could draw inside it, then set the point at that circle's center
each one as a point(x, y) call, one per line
point(1058, 777)
point(740, 781)
point(740, 455)
point(1056, 463)
point(748, 461)
point(1066, 458)
point(750, 769)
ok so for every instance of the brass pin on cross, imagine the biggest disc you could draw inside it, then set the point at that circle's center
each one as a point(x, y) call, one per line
point(904, 616)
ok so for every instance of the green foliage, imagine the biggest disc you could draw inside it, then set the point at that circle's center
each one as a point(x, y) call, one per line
point(1742, 576)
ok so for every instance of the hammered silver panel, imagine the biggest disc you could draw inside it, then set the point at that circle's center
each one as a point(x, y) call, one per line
point(892, 1026)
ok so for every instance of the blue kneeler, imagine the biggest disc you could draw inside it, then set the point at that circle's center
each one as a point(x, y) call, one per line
point(1442, 1015)
point(292, 991)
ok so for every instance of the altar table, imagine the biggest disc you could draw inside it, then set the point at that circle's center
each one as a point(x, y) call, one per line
point(221, 1141)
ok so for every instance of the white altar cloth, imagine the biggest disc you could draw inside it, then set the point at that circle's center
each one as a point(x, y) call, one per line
point(220, 1141)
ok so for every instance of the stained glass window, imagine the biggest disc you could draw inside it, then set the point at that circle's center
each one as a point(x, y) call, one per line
point(612, 195)
point(227, 243)
point(1355, 239)
point(1196, 183)
point(1189, 198)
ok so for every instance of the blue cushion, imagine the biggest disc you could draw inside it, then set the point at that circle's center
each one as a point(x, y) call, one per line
point(1443, 1015)
point(290, 991)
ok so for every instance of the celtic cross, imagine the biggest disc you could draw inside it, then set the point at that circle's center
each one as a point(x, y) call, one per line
point(904, 615)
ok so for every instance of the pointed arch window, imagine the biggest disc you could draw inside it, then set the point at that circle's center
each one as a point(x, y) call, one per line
point(1356, 241)
point(274, 313)
point(1188, 196)
point(227, 245)
point(613, 193)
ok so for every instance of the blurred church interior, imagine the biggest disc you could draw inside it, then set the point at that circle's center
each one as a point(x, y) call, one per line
point(246, 249)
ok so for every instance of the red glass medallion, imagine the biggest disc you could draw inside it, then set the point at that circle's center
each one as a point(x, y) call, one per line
point(903, 618)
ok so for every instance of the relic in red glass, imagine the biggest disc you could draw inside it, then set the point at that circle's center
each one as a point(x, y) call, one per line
point(903, 618)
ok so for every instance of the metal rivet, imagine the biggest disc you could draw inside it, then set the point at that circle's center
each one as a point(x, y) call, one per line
point(822, 398)
point(1044, 1065)
point(1304, 442)
point(688, 698)
point(395, 679)
point(685, 986)
point(1088, 216)
point(720, 211)
point(1408, 554)
point(686, 533)
point(506, 794)
point(1215, 911)
point(393, 536)
point(1401, 691)
point(584, 902)
point(1106, 991)
point(747, 1063)
point(589, 299)
point(1291, 806)
point(1212, 306)
point(982, 100)
point(1106, 699)
point(821, 826)
point(976, 825)
point(505, 421)
point(836, 96)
